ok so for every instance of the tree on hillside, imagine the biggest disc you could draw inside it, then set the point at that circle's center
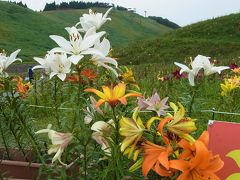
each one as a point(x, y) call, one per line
point(165, 22)
point(120, 8)
point(63, 5)
point(78, 5)
point(19, 4)
point(50, 6)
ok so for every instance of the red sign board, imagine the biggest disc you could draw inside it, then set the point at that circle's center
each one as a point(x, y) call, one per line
point(225, 141)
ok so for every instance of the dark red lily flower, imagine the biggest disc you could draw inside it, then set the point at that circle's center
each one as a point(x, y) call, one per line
point(233, 66)
point(176, 74)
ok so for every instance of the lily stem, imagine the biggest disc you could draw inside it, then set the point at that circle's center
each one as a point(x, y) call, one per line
point(193, 93)
point(35, 92)
point(55, 91)
point(30, 136)
point(116, 154)
point(79, 86)
point(4, 141)
point(14, 134)
point(78, 100)
point(116, 126)
point(85, 157)
point(85, 161)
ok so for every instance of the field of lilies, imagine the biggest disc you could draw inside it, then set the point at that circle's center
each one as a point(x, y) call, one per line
point(84, 112)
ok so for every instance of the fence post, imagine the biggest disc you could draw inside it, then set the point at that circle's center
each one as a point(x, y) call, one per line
point(213, 113)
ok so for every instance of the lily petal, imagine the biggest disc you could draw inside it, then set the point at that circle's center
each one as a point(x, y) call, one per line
point(62, 42)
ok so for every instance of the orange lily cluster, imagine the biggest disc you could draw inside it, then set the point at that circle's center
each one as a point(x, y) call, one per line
point(174, 153)
point(195, 161)
point(180, 152)
point(22, 88)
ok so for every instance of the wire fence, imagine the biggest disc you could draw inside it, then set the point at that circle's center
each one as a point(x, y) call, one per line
point(213, 110)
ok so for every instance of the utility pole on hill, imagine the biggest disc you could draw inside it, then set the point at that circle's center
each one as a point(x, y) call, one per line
point(145, 12)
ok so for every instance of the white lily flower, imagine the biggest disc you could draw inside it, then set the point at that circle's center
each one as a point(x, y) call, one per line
point(59, 142)
point(44, 63)
point(5, 61)
point(102, 134)
point(198, 63)
point(209, 68)
point(77, 46)
point(60, 66)
point(93, 19)
point(101, 59)
point(196, 66)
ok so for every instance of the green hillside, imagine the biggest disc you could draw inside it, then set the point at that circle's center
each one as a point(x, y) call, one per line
point(225, 28)
point(29, 30)
point(218, 38)
point(125, 26)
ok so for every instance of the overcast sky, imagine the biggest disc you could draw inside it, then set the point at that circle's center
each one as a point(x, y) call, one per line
point(183, 12)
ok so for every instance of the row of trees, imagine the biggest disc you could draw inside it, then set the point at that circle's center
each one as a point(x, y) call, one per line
point(79, 5)
point(165, 22)
point(86, 5)
point(19, 4)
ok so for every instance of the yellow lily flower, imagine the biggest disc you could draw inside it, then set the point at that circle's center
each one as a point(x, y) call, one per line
point(128, 77)
point(132, 129)
point(113, 95)
point(229, 85)
point(128, 151)
point(178, 124)
point(234, 80)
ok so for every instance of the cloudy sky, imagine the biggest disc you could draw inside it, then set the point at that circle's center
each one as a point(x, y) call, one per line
point(183, 12)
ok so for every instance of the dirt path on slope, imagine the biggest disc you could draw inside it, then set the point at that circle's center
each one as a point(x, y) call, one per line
point(19, 68)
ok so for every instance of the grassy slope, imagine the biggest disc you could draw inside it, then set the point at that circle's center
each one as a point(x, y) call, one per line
point(218, 38)
point(29, 30)
point(125, 26)
point(25, 29)
point(225, 28)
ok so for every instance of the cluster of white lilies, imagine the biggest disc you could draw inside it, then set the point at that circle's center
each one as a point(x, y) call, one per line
point(83, 41)
point(200, 62)
point(59, 60)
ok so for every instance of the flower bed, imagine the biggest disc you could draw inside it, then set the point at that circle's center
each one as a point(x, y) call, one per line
point(105, 127)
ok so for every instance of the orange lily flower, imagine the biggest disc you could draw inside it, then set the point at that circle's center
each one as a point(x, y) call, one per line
point(73, 78)
point(113, 95)
point(155, 157)
point(189, 149)
point(202, 165)
point(236, 70)
point(87, 73)
point(22, 88)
